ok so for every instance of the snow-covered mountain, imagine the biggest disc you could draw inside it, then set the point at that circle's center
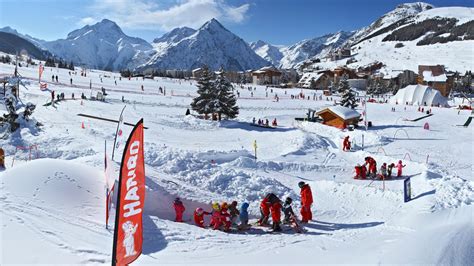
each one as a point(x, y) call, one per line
point(316, 47)
point(175, 35)
point(401, 12)
point(102, 45)
point(415, 34)
point(211, 45)
point(37, 42)
point(269, 52)
point(291, 56)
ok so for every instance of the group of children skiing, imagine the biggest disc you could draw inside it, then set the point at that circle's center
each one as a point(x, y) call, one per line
point(225, 216)
point(369, 169)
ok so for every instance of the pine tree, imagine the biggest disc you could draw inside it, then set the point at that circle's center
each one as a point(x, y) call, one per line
point(225, 102)
point(204, 102)
point(343, 84)
point(348, 99)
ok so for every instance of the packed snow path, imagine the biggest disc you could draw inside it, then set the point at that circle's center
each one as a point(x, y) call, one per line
point(204, 161)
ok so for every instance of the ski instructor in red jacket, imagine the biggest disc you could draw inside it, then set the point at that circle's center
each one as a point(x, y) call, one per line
point(306, 201)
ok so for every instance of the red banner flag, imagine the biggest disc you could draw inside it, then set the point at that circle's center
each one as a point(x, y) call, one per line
point(128, 234)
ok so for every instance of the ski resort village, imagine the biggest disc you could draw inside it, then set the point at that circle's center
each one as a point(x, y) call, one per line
point(200, 144)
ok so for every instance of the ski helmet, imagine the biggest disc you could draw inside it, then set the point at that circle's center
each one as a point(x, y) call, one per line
point(234, 203)
point(224, 205)
point(199, 211)
point(216, 207)
point(301, 184)
point(289, 200)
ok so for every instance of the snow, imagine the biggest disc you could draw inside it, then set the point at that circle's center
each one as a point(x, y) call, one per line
point(344, 112)
point(419, 95)
point(462, 14)
point(428, 76)
point(53, 207)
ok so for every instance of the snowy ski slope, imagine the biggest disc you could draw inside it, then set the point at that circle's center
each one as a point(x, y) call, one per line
point(53, 207)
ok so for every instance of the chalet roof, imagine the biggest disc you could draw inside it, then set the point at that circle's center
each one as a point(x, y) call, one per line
point(343, 112)
point(437, 70)
point(428, 76)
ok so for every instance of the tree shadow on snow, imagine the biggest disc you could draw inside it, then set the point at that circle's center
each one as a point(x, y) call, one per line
point(249, 127)
point(325, 226)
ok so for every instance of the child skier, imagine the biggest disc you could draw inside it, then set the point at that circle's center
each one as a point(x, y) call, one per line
point(215, 216)
point(234, 212)
point(389, 170)
point(383, 171)
point(346, 144)
point(225, 217)
point(179, 210)
point(276, 215)
point(399, 168)
point(372, 166)
point(199, 217)
point(264, 210)
point(244, 217)
point(288, 210)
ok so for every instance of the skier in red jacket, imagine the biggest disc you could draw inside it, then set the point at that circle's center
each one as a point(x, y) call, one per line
point(346, 144)
point(372, 165)
point(276, 216)
point(179, 210)
point(199, 217)
point(306, 201)
point(225, 217)
point(265, 209)
point(216, 216)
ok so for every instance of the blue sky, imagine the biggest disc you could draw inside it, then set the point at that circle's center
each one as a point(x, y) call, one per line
point(275, 21)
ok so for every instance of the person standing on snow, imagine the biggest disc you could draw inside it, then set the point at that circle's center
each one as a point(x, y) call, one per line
point(346, 144)
point(372, 165)
point(389, 170)
point(399, 168)
point(199, 217)
point(276, 215)
point(383, 171)
point(216, 216)
point(288, 210)
point(265, 208)
point(306, 201)
point(179, 210)
point(234, 212)
point(244, 216)
point(225, 217)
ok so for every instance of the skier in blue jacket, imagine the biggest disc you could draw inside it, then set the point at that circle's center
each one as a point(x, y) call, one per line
point(244, 217)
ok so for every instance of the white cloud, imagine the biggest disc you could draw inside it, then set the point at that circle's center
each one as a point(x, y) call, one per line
point(146, 14)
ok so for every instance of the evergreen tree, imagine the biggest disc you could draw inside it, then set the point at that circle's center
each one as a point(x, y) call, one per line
point(348, 99)
point(71, 66)
point(204, 102)
point(225, 103)
point(343, 84)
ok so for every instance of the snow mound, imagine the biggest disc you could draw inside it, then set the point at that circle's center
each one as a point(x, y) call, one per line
point(454, 192)
point(199, 175)
point(419, 95)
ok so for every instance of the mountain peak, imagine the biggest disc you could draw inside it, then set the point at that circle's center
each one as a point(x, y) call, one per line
point(416, 6)
point(212, 24)
point(175, 35)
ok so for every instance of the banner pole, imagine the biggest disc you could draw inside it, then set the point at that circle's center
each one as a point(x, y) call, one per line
point(116, 132)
